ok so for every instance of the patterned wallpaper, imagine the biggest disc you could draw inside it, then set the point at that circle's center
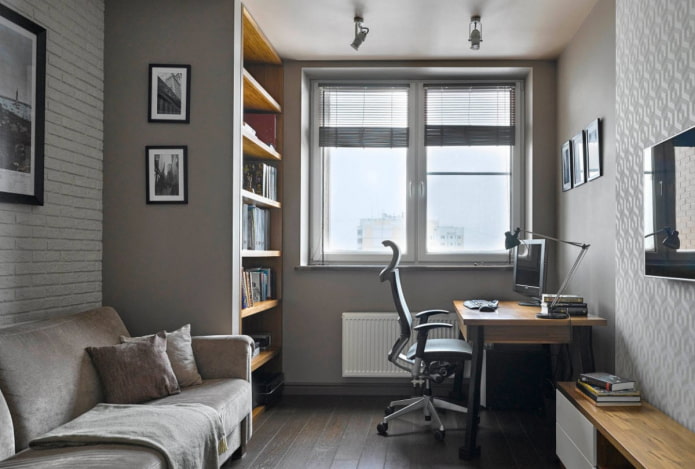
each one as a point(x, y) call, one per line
point(655, 95)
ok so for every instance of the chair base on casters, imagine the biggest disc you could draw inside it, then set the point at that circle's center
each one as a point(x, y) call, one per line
point(429, 406)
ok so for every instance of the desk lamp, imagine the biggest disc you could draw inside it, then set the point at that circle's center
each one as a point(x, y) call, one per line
point(512, 240)
point(671, 241)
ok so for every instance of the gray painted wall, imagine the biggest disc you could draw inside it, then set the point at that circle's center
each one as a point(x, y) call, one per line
point(586, 90)
point(50, 256)
point(655, 321)
point(314, 299)
point(166, 265)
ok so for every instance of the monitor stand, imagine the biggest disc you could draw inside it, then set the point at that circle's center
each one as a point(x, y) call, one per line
point(531, 302)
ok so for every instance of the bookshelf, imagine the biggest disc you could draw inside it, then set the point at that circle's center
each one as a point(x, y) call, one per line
point(262, 94)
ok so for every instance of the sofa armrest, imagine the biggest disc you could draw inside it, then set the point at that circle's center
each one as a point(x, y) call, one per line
point(223, 356)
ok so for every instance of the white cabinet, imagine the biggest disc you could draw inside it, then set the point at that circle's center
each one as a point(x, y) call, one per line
point(575, 436)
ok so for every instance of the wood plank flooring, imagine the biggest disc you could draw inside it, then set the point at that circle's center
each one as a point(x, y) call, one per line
point(336, 432)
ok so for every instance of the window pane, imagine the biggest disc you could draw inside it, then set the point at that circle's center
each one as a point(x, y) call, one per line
point(468, 199)
point(366, 198)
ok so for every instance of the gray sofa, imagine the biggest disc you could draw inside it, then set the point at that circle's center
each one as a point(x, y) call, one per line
point(47, 379)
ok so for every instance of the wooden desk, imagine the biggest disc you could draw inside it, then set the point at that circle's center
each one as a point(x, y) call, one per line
point(514, 324)
point(641, 437)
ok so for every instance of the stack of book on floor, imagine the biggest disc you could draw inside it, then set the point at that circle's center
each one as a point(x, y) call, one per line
point(606, 389)
point(572, 305)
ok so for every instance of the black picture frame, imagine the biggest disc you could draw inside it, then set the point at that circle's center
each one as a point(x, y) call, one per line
point(166, 174)
point(594, 167)
point(578, 160)
point(566, 155)
point(169, 94)
point(22, 108)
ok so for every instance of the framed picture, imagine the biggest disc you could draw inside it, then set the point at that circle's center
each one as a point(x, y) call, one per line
point(566, 153)
point(593, 150)
point(169, 96)
point(167, 178)
point(22, 100)
point(578, 160)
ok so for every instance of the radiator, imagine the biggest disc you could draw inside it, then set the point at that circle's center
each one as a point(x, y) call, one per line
point(368, 338)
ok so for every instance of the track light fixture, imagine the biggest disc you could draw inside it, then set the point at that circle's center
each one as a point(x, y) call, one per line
point(475, 32)
point(360, 33)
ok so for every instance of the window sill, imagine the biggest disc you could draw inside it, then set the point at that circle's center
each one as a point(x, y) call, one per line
point(372, 268)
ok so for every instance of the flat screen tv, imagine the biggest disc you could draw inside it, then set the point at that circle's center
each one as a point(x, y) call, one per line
point(669, 207)
point(530, 270)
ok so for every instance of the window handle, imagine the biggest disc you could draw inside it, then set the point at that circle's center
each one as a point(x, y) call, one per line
point(421, 189)
point(410, 189)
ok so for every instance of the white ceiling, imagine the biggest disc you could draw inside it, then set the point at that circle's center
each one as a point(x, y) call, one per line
point(419, 29)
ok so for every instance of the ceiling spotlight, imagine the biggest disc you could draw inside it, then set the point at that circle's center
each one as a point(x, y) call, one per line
point(360, 33)
point(475, 32)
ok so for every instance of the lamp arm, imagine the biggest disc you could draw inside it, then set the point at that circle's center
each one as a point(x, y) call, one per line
point(585, 248)
point(573, 243)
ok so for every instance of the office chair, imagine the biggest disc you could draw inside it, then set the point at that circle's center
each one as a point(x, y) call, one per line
point(427, 360)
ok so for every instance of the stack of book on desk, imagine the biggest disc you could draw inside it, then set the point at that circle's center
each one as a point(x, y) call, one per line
point(572, 305)
point(606, 389)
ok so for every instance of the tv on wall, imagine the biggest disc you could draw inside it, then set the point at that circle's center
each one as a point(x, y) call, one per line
point(669, 207)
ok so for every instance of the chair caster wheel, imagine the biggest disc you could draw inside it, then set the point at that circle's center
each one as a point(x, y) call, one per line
point(439, 435)
point(389, 410)
point(382, 428)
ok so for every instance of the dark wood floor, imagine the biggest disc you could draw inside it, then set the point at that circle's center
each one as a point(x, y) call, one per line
point(340, 432)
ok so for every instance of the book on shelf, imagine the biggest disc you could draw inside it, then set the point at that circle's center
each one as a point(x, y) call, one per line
point(257, 286)
point(261, 178)
point(607, 381)
point(255, 234)
point(550, 297)
point(601, 397)
point(264, 125)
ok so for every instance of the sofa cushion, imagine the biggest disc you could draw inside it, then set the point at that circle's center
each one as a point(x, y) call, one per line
point(180, 355)
point(135, 372)
point(230, 397)
point(112, 456)
point(46, 376)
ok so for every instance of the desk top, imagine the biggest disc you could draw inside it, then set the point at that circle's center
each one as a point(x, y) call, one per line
point(510, 313)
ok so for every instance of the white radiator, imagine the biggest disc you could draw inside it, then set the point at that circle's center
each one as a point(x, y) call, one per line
point(368, 338)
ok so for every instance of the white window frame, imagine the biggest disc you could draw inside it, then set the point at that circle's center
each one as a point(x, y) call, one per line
point(416, 227)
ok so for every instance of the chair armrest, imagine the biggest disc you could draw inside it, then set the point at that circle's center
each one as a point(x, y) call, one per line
point(423, 330)
point(223, 356)
point(424, 316)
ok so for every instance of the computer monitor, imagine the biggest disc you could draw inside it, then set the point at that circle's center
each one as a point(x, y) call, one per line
point(530, 270)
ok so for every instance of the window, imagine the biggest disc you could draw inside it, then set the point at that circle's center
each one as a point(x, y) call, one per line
point(432, 166)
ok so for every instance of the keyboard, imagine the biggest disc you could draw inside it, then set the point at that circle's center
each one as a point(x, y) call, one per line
point(476, 304)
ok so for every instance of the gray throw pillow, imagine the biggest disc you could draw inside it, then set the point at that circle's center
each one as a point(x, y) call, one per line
point(180, 352)
point(135, 372)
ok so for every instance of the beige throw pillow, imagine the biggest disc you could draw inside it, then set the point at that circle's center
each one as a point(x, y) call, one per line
point(180, 352)
point(135, 372)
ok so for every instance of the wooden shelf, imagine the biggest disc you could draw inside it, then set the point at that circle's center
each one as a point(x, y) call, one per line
point(255, 147)
point(259, 200)
point(257, 48)
point(259, 307)
point(258, 253)
point(256, 98)
point(257, 411)
point(263, 357)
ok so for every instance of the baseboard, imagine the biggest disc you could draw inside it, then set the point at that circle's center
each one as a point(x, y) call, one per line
point(404, 388)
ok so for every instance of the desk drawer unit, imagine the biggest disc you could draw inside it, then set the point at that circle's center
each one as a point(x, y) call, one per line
point(575, 436)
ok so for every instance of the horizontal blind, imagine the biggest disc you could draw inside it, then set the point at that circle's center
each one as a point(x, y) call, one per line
point(373, 116)
point(466, 115)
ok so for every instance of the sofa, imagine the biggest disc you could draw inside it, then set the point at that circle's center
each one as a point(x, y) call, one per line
point(48, 379)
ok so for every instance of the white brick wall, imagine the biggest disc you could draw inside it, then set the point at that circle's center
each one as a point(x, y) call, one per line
point(50, 256)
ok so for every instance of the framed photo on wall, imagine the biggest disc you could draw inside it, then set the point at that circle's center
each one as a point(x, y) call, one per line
point(578, 160)
point(593, 150)
point(169, 93)
point(566, 154)
point(167, 174)
point(22, 101)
